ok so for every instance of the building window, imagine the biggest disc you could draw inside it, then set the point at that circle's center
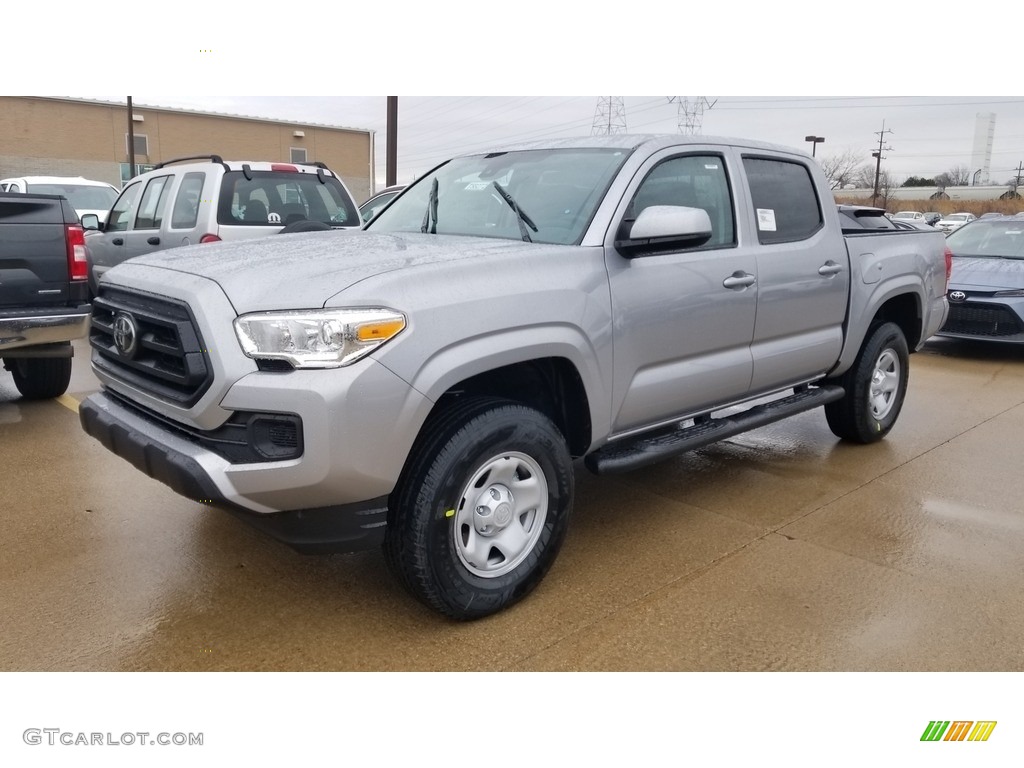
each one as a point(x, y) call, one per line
point(139, 168)
point(141, 143)
point(299, 155)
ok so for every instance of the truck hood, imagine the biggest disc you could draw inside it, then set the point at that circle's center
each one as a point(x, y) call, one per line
point(986, 273)
point(304, 270)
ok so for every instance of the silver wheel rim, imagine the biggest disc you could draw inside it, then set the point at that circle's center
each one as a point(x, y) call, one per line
point(500, 514)
point(885, 382)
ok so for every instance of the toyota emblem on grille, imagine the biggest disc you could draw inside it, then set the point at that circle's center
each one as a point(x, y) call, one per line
point(126, 334)
point(957, 296)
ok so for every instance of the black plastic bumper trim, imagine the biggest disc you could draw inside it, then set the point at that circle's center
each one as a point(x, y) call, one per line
point(334, 529)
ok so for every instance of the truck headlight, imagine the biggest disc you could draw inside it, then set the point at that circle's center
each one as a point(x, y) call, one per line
point(321, 338)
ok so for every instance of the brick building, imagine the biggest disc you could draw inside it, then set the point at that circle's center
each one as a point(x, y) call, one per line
point(78, 137)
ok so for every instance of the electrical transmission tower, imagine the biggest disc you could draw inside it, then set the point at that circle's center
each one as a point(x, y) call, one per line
point(691, 113)
point(609, 117)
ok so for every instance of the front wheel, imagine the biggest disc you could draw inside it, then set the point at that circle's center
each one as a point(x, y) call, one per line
point(875, 385)
point(482, 508)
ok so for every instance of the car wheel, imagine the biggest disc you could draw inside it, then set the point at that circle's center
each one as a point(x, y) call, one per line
point(40, 378)
point(482, 508)
point(875, 385)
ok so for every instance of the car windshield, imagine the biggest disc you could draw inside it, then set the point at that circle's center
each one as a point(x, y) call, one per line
point(997, 240)
point(957, 217)
point(82, 197)
point(907, 215)
point(540, 195)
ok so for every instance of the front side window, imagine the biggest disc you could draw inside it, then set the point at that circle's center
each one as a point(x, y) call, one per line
point(785, 203)
point(555, 191)
point(120, 214)
point(693, 181)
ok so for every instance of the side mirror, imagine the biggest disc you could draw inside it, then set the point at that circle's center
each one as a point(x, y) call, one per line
point(91, 221)
point(659, 227)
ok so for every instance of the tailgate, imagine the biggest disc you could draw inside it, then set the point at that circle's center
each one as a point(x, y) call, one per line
point(33, 251)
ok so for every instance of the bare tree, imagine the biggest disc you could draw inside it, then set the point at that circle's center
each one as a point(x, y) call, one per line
point(957, 176)
point(841, 170)
point(887, 186)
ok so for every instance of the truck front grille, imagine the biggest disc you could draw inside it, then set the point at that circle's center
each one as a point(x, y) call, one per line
point(984, 320)
point(151, 343)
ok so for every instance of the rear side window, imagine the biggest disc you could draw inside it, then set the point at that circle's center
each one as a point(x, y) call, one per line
point(786, 206)
point(281, 198)
point(152, 205)
point(186, 203)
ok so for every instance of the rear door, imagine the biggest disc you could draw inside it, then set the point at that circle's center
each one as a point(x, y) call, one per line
point(803, 274)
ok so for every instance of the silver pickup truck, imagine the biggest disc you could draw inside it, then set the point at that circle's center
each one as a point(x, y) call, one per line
point(427, 384)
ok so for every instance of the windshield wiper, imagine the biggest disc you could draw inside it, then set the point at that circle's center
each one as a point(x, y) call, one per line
point(521, 216)
point(431, 212)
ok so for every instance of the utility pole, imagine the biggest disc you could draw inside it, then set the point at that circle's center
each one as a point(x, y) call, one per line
point(131, 140)
point(878, 159)
point(391, 161)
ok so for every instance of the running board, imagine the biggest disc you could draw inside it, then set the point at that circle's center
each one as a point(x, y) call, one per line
point(642, 450)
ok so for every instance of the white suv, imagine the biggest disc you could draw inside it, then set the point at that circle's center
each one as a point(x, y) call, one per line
point(206, 199)
point(85, 195)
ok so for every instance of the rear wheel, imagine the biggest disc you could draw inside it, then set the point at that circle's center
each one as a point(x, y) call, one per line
point(38, 378)
point(875, 385)
point(482, 508)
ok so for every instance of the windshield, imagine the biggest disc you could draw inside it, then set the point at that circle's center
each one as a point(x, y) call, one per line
point(907, 215)
point(541, 195)
point(998, 240)
point(81, 196)
point(956, 217)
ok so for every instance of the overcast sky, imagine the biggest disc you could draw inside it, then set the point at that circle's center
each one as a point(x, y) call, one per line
point(776, 72)
point(924, 136)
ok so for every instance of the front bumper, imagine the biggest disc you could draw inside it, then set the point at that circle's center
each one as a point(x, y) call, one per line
point(198, 474)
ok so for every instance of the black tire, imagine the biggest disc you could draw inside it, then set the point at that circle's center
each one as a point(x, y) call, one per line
point(482, 507)
point(40, 378)
point(875, 385)
point(304, 225)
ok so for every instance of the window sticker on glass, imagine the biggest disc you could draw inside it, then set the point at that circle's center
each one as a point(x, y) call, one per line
point(766, 219)
point(476, 185)
point(711, 167)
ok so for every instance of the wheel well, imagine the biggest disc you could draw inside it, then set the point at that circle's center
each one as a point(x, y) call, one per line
point(905, 311)
point(550, 385)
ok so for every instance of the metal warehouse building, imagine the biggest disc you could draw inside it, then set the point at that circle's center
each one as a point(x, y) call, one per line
point(44, 136)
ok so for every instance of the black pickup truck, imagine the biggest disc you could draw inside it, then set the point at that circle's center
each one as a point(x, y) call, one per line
point(44, 293)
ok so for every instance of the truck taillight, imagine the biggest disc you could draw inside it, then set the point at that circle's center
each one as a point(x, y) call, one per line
point(949, 265)
point(283, 167)
point(78, 264)
point(209, 239)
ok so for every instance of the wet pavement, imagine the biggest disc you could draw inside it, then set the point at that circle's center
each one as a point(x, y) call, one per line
point(781, 549)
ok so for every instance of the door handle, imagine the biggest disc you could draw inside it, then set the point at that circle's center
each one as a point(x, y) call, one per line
point(117, 241)
point(739, 280)
point(153, 240)
point(830, 268)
